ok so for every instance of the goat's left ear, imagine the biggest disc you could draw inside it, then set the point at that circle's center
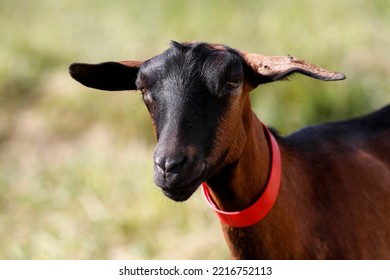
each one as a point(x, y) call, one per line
point(107, 75)
point(267, 69)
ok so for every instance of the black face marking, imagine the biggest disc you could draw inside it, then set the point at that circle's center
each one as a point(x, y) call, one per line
point(187, 90)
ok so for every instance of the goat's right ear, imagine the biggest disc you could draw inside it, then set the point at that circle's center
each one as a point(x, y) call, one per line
point(107, 75)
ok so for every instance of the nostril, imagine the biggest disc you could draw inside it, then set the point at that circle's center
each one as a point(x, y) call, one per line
point(160, 162)
point(174, 162)
point(168, 164)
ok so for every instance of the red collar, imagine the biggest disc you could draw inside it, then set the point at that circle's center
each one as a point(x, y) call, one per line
point(263, 205)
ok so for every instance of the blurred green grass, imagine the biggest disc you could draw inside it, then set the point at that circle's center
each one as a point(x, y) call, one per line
point(76, 164)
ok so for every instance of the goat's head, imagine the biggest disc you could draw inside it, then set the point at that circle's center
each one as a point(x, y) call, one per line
point(197, 96)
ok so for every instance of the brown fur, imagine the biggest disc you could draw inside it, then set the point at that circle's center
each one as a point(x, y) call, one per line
point(333, 203)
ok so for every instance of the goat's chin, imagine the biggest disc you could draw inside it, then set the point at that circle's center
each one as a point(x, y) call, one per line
point(181, 193)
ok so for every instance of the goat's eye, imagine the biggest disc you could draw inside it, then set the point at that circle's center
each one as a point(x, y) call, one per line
point(148, 99)
point(232, 84)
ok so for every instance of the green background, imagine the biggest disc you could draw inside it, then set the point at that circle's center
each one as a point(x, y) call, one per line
point(76, 174)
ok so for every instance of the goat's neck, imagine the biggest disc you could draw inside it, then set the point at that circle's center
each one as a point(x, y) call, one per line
point(238, 185)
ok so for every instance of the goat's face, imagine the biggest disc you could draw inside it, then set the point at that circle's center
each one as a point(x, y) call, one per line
point(193, 95)
point(196, 95)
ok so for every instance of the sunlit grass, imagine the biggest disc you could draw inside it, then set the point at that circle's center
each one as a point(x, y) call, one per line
point(76, 164)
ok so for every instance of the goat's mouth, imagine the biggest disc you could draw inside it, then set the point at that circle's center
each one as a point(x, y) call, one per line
point(179, 191)
point(182, 193)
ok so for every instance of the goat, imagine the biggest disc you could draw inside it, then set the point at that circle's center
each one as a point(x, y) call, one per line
point(322, 192)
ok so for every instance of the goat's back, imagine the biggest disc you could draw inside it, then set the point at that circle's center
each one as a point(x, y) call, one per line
point(348, 177)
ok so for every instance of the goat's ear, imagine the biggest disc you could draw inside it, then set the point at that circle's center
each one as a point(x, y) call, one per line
point(107, 75)
point(265, 69)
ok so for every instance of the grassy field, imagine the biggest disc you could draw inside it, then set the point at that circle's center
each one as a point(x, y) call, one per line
point(76, 178)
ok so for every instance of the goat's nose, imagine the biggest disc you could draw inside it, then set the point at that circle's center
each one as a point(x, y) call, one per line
point(176, 167)
point(170, 163)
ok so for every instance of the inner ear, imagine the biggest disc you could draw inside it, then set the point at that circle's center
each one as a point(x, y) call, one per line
point(113, 76)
